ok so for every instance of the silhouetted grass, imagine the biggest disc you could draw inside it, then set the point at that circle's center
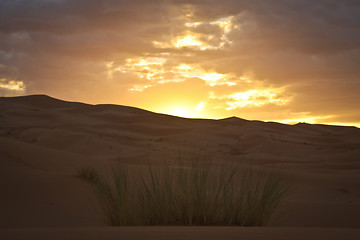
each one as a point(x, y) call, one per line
point(88, 173)
point(199, 193)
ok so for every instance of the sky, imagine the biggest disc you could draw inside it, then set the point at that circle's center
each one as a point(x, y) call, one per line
point(288, 61)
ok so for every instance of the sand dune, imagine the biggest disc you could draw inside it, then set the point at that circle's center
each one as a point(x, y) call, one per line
point(44, 140)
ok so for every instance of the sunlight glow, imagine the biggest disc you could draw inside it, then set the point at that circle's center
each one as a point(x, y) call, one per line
point(306, 118)
point(189, 40)
point(147, 62)
point(151, 69)
point(186, 41)
point(166, 67)
point(155, 70)
point(254, 98)
point(184, 67)
point(211, 78)
point(195, 39)
point(193, 24)
point(200, 106)
point(182, 112)
point(110, 70)
point(224, 23)
point(12, 85)
point(139, 88)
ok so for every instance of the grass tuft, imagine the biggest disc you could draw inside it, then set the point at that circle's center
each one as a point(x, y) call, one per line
point(190, 193)
point(88, 173)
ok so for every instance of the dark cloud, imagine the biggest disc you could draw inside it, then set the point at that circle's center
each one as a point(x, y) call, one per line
point(67, 16)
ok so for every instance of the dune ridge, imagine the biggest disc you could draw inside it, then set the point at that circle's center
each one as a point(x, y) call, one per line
point(43, 140)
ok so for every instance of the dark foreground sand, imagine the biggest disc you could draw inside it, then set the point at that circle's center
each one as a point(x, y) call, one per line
point(44, 140)
point(182, 233)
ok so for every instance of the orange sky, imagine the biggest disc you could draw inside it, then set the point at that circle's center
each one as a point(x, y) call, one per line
point(286, 61)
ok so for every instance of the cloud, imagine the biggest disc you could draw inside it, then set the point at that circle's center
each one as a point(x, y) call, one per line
point(305, 54)
point(11, 87)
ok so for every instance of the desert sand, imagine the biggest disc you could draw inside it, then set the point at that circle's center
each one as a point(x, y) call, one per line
point(43, 141)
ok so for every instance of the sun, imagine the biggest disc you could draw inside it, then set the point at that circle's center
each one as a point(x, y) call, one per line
point(185, 111)
point(180, 112)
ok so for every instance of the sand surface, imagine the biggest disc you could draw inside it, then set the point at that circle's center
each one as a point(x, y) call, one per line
point(44, 140)
point(182, 233)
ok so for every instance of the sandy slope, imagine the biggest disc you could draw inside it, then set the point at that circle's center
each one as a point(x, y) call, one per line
point(43, 140)
point(182, 233)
